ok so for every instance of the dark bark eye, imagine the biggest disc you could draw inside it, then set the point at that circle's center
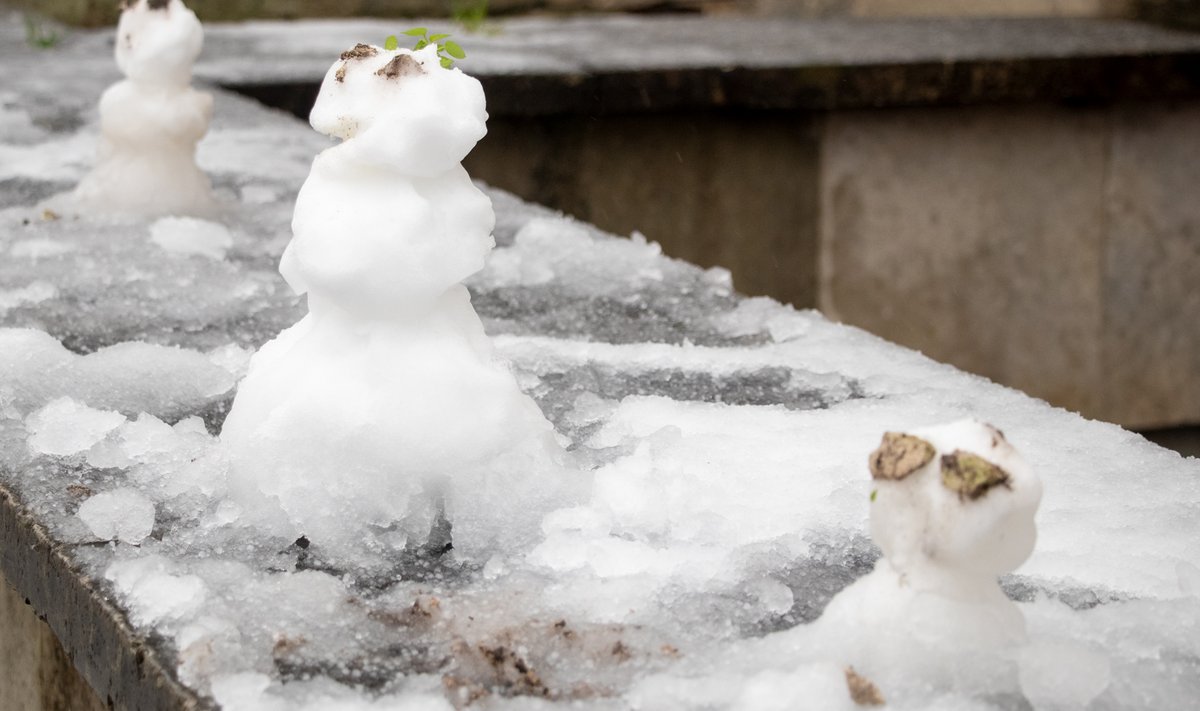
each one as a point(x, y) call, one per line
point(970, 475)
point(360, 51)
point(899, 455)
point(402, 65)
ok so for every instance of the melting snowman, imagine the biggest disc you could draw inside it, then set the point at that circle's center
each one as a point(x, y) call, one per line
point(952, 509)
point(385, 403)
point(151, 121)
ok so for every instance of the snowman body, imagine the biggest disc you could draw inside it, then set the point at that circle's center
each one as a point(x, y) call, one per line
point(151, 121)
point(386, 401)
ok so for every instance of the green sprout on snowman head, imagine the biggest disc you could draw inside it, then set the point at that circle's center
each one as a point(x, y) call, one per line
point(447, 50)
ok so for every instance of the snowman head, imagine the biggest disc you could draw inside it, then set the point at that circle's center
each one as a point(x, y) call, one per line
point(401, 107)
point(957, 496)
point(158, 41)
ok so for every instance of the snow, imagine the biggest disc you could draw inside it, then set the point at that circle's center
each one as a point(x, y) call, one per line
point(156, 593)
point(1061, 674)
point(64, 427)
point(537, 256)
point(724, 444)
point(123, 514)
point(28, 294)
point(191, 235)
point(35, 249)
point(129, 377)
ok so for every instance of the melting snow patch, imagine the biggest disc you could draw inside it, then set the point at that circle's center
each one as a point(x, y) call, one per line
point(546, 249)
point(257, 194)
point(153, 593)
point(191, 235)
point(32, 293)
point(123, 514)
point(39, 247)
point(129, 377)
point(65, 427)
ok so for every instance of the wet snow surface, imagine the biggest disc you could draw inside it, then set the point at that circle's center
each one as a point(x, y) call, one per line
point(725, 442)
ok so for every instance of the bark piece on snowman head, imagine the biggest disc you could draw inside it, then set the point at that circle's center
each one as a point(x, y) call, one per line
point(957, 496)
point(158, 41)
point(401, 108)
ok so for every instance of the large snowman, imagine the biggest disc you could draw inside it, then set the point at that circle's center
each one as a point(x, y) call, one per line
point(385, 402)
point(151, 121)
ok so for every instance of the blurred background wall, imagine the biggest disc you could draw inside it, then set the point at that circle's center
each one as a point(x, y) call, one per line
point(101, 12)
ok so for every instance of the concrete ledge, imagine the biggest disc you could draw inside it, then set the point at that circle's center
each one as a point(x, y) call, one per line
point(36, 674)
point(125, 670)
point(615, 65)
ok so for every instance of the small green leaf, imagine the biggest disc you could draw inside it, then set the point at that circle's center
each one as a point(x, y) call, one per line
point(416, 32)
point(447, 62)
point(454, 50)
point(874, 493)
point(435, 38)
point(391, 43)
point(421, 45)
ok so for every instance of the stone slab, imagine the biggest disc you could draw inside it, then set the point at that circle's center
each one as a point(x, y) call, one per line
point(670, 345)
point(621, 64)
point(35, 672)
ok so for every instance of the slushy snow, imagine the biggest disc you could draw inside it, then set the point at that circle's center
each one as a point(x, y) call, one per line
point(191, 235)
point(158, 593)
point(130, 377)
point(123, 514)
point(64, 427)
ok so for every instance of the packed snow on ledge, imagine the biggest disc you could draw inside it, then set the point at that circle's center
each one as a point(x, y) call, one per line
point(725, 444)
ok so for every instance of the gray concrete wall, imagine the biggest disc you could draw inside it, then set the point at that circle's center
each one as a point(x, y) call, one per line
point(35, 673)
point(730, 190)
point(1053, 249)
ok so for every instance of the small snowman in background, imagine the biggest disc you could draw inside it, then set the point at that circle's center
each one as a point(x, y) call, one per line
point(385, 403)
point(151, 121)
point(952, 508)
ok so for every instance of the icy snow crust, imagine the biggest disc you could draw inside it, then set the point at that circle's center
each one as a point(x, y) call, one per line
point(725, 441)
